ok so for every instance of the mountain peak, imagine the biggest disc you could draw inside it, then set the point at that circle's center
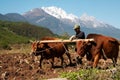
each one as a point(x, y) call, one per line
point(35, 12)
point(85, 17)
point(91, 20)
point(58, 13)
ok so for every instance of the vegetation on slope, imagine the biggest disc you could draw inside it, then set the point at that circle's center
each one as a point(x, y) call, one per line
point(19, 32)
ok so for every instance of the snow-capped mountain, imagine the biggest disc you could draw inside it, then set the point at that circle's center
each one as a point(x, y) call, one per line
point(59, 21)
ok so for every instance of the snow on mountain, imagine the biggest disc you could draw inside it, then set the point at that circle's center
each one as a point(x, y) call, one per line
point(85, 17)
point(92, 21)
point(59, 13)
point(89, 21)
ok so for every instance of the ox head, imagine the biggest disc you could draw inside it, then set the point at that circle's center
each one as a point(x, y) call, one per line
point(83, 47)
point(37, 48)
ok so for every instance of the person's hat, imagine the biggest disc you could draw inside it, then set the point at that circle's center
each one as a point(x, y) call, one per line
point(76, 26)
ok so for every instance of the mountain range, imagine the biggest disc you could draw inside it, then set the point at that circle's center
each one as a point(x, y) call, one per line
point(59, 21)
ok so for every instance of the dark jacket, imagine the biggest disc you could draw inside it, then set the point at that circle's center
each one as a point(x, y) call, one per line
point(80, 35)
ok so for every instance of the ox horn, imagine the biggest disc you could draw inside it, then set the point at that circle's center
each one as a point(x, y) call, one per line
point(31, 41)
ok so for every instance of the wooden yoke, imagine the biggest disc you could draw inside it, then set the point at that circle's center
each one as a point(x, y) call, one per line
point(66, 41)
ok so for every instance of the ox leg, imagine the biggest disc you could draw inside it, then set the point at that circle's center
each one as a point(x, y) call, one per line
point(96, 59)
point(114, 61)
point(52, 62)
point(41, 59)
point(69, 57)
point(62, 60)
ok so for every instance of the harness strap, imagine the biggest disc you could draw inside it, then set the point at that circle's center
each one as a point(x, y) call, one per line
point(45, 49)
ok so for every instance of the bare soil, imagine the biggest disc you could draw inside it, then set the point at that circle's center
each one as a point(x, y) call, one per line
point(20, 66)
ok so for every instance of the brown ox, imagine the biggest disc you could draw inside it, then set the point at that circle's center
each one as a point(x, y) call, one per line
point(102, 47)
point(50, 50)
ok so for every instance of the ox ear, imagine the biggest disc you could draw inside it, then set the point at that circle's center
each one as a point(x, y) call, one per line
point(93, 43)
point(46, 45)
point(89, 43)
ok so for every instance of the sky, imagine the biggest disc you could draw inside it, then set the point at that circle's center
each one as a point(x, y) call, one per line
point(107, 11)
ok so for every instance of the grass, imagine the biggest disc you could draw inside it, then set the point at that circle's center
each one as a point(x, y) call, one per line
point(93, 74)
point(18, 48)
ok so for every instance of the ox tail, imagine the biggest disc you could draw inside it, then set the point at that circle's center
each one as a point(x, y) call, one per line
point(119, 42)
point(104, 55)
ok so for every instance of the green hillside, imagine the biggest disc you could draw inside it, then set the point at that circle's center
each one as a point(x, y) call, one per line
point(19, 32)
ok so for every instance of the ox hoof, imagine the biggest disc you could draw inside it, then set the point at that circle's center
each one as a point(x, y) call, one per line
point(98, 67)
point(78, 60)
point(89, 67)
point(53, 67)
point(72, 64)
point(40, 71)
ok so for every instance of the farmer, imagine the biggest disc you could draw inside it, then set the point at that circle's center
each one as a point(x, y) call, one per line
point(79, 34)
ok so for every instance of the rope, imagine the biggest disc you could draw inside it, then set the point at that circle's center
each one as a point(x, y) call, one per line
point(45, 49)
point(66, 50)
